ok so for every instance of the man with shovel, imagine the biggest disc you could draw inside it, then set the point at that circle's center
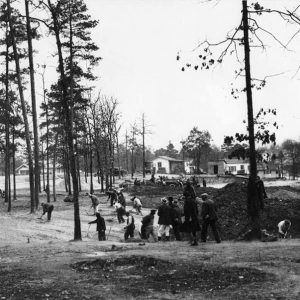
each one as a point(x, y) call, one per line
point(100, 226)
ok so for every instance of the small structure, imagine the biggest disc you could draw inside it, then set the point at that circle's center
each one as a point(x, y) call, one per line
point(168, 165)
point(268, 170)
point(229, 166)
point(22, 170)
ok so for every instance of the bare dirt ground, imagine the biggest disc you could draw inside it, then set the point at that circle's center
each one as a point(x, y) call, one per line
point(38, 261)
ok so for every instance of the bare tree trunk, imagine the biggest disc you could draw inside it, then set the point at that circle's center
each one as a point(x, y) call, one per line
point(47, 155)
point(34, 113)
point(126, 151)
point(43, 166)
point(14, 167)
point(143, 134)
point(7, 118)
point(78, 166)
point(253, 202)
point(24, 110)
point(85, 165)
point(54, 168)
point(69, 126)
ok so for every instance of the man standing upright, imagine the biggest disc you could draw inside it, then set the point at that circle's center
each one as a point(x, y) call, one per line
point(176, 214)
point(129, 229)
point(209, 216)
point(191, 212)
point(164, 220)
point(101, 227)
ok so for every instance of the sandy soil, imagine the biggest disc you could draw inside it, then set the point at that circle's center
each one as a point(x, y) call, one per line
point(38, 260)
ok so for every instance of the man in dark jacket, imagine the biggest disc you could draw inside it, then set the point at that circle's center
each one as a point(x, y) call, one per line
point(176, 214)
point(112, 196)
point(47, 208)
point(129, 229)
point(164, 220)
point(147, 225)
point(260, 191)
point(121, 199)
point(100, 227)
point(191, 212)
point(209, 216)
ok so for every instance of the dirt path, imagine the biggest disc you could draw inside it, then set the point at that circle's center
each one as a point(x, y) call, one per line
point(49, 266)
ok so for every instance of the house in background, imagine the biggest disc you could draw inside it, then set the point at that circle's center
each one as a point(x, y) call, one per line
point(22, 170)
point(229, 166)
point(270, 169)
point(168, 165)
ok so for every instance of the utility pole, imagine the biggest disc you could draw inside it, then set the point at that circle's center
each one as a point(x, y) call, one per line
point(143, 134)
point(126, 150)
point(253, 203)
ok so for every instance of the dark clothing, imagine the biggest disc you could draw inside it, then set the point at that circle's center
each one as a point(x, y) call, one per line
point(112, 196)
point(261, 192)
point(120, 213)
point(147, 221)
point(204, 182)
point(212, 224)
point(122, 200)
point(189, 192)
point(209, 216)
point(191, 217)
point(209, 210)
point(164, 213)
point(48, 208)
point(100, 223)
point(176, 220)
point(101, 235)
point(129, 229)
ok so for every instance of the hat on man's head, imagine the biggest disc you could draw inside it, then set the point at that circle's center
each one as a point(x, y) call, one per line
point(164, 200)
point(204, 195)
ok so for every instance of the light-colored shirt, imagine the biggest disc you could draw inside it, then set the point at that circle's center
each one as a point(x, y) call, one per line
point(283, 226)
point(137, 202)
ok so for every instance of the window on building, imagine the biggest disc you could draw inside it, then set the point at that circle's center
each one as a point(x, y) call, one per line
point(242, 167)
point(232, 168)
point(159, 164)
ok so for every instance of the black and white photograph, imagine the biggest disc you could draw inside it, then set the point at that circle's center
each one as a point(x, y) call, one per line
point(149, 149)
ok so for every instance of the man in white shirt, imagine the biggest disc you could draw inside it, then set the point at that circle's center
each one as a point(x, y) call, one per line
point(137, 205)
point(283, 228)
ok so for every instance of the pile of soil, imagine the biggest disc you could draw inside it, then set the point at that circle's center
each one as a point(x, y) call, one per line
point(232, 210)
point(231, 200)
point(140, 275)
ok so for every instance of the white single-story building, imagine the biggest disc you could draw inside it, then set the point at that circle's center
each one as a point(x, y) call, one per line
point(229, 166)
point(167, 165)
point(22, 170)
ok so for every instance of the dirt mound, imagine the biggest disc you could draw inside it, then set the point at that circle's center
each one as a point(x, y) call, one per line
point(231, 200)
point(232, 210)
point(140, 275)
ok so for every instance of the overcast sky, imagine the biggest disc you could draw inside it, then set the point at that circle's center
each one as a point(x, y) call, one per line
point(139, 41)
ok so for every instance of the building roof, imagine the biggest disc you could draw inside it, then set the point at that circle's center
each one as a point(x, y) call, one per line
point(236, 161)
point(228, 161)
point(23, 166)
point(168, 158)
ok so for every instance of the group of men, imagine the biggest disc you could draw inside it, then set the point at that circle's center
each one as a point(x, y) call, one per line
point(169, 214)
